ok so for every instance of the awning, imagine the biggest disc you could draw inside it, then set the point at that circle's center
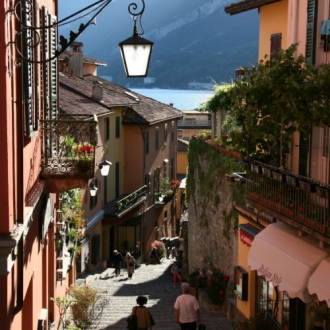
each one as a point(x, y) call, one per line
point(319, 282)
point(285, 259)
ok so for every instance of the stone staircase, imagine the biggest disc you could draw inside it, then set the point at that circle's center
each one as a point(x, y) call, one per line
point(153, 281)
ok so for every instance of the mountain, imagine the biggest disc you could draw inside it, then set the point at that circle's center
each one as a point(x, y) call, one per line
point(195, 40)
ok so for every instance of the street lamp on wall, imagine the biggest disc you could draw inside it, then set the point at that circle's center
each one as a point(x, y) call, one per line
point(104, 167)
point(135, 51)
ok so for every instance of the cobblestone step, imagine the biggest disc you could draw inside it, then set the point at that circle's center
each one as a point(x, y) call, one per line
point(153, 281)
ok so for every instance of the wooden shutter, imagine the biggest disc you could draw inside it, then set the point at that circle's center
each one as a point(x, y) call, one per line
point(49, 78)
point(310, 34)
point(275, 45)
point(27, 69)
point(53, 88)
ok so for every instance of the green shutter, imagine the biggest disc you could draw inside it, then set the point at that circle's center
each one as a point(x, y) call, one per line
point(53, 88)
point(27, 73)
point(49, 78)
point(311, 28)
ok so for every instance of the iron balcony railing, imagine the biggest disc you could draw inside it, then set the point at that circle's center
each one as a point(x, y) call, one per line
point(192, 123)
point(288, 197)
point(129, 202)
point(68, 147)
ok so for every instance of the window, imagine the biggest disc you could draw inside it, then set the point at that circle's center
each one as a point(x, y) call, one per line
point(241, 283)
point(172, 131)
point(165, 215)
point(147, 142)
point(107, 128)
point(117, 127)
point(310, 33)
point(93, 199)
point(172, 169)
point(31, 71)
point(117, 179)
point(165, 134)
point(147, 182)
point(157, 138)
point(275, 45)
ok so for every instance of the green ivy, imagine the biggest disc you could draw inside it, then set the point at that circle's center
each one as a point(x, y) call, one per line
point(218, 166)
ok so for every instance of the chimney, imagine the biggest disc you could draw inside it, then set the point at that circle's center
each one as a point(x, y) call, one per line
point(171, 105)
point(76, 59)
point(97, 91)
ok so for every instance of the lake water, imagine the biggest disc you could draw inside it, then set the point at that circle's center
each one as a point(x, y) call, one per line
point(181, 99)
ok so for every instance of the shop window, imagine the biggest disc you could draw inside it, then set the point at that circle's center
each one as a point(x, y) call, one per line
point(241, 283)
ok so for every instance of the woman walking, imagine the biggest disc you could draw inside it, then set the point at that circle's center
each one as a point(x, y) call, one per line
point(130, 261)
point(176, 273)
point(144, 319)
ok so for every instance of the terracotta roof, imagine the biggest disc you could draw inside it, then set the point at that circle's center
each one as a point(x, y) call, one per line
point(74, 102)
point(245, 5)
point(140, 109)
point(66, 54)
point(150, 110)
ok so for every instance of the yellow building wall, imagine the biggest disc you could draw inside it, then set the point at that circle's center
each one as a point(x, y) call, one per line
point(182, 162)
point(273, 19)
point(247, 308)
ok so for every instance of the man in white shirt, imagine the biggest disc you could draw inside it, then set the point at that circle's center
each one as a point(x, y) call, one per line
point(187, 309)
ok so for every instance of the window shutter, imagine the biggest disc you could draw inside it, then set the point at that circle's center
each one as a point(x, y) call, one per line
point(275, 45)
point(53, 88)
point(49, 78)
point(27, 69)
point(310, 34)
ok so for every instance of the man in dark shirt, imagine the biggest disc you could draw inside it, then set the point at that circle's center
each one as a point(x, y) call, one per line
point(117, 260)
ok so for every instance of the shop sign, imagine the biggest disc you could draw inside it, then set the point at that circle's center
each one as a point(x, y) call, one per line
point(245, 237)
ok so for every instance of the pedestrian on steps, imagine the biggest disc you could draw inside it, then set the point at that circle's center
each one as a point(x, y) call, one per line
point(187, 309)
point(130, 262)
point(117, 260)
point(142, 313)
point(176, 274)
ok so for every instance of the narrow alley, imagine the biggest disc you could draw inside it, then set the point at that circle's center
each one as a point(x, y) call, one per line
point(153, 281)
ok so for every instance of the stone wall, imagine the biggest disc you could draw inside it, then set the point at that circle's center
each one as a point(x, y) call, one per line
point(211, 225)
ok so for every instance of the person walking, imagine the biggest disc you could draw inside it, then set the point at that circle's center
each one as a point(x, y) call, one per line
point(117, 260)
point(187, 309)
point(176, 274)
point(144, 318)
point(130, 262)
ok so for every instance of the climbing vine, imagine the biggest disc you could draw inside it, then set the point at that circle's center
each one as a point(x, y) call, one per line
point(216, 166)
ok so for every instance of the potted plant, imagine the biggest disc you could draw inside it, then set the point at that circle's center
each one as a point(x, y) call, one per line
point(58, 245)
point(119, 206)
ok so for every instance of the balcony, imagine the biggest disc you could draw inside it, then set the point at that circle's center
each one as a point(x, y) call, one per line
point(296, 200)
point(68, 152)
point(194, 123)
point(125, 204)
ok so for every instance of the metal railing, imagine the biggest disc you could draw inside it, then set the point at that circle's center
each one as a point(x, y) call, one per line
point(191, 123)
point(68, 147)
point(132, 200)
point(283, 194)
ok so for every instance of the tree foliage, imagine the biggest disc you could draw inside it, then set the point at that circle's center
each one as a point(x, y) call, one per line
point(272, 101)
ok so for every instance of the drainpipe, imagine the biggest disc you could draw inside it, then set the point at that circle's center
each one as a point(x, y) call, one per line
point(19, 202)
